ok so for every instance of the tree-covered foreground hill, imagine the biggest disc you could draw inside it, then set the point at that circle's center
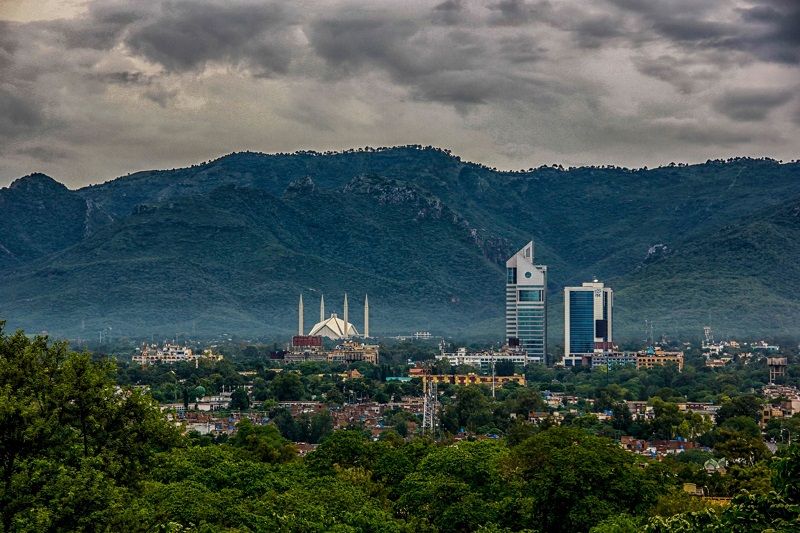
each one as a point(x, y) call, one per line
point(227, 246)
point(81, 454)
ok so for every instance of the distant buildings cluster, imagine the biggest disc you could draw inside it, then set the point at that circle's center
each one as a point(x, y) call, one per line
point(169, 353)
point(588, 322)
point(311, 346)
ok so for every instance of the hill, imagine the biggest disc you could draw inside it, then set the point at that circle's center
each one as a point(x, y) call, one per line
point(229, 244)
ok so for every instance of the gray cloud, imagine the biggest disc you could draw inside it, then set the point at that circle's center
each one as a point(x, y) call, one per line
point(685, 74)
point(513, 12)
point(124, 85)
point(18, 113)
point(776, 37)
point(763, 29)
point(751, 104)
point(449, 12)
point(45, 154)
point(453, 66)
point(187, 35)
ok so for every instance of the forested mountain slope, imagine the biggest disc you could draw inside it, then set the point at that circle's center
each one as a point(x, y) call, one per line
point(226, 246)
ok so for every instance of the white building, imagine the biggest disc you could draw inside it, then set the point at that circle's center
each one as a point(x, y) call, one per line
point(170, 353)
point(483, 359)
point(526, 304)
point(333, 327)
point(588, 314)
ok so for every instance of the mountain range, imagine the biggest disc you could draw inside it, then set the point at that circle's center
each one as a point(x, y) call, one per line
point(227, 246)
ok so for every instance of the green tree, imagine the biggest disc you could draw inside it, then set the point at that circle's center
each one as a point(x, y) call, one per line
point(745, 405)
point(240, 400)
point(68, 435)
point(344, 448)
point(571, 480)
point(287, 386)
point(471, 410)
point(264, 442)
point(457, 488)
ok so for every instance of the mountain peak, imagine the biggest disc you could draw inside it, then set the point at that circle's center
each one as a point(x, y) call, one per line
point(37, 182)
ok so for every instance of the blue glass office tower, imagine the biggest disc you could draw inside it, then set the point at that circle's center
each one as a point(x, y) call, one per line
point(526, 304)
point(588, 312)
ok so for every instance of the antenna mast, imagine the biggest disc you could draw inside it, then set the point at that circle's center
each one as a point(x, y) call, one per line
point(429, 408)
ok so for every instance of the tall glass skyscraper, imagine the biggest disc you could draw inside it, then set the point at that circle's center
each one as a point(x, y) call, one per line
point(526, 304)
point(588, 313)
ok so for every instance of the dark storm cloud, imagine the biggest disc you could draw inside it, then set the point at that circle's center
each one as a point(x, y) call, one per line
point(764, 29)
point(445, 67)
point(776, 36)
point(353, 41)
point(449, 12)
point(46, 154)
point(516, 12)
point(458, 67)
point(751, 104)
point(19, 113)
point(593, 31)
point(521, 48)
point(187, 35)
point(509, 81)
point(100, 29)
point(124, 77)
point(682, 73)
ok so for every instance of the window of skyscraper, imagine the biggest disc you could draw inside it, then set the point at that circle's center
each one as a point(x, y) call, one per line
point(511, 275)
point(530, 296)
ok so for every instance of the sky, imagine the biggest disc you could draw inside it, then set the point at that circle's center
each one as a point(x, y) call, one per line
point(94, 89)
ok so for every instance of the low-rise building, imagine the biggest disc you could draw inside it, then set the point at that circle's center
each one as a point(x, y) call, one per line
point(718, 363)
point(471, 379)
point(485, 358)
point(352, 351)
point(171, 353)
point(613, 359)
point(656, 356)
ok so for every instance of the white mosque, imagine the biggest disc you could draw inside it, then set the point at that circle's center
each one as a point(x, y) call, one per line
point(333, 327)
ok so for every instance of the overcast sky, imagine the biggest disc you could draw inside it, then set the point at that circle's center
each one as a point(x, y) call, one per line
point(90, 90)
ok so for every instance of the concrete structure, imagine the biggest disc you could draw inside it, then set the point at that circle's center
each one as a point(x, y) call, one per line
point(612, 359)
point(300, 312)
point(782, 402)
point(588, 319)
point(171, 353)
point(483, 359)
point(471, 379)
point(366, 316)
point(777, 368)
point(657, 357)
point(526, 304)
point(349, 352)
point(334, 327)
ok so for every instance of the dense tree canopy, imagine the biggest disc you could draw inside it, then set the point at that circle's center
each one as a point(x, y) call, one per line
point(81, 453)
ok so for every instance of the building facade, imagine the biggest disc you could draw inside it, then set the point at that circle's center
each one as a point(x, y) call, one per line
point(484, 358)
point(655, 356)
point(588, 319)
point(471, 379)
point(526, 304)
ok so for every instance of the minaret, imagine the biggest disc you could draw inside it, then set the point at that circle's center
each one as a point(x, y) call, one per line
point(322, 308)
point(300, 316)
point(346, 327)
point(366, 316)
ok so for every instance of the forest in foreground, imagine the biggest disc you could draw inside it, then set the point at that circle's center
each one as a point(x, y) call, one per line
point(80, 453)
